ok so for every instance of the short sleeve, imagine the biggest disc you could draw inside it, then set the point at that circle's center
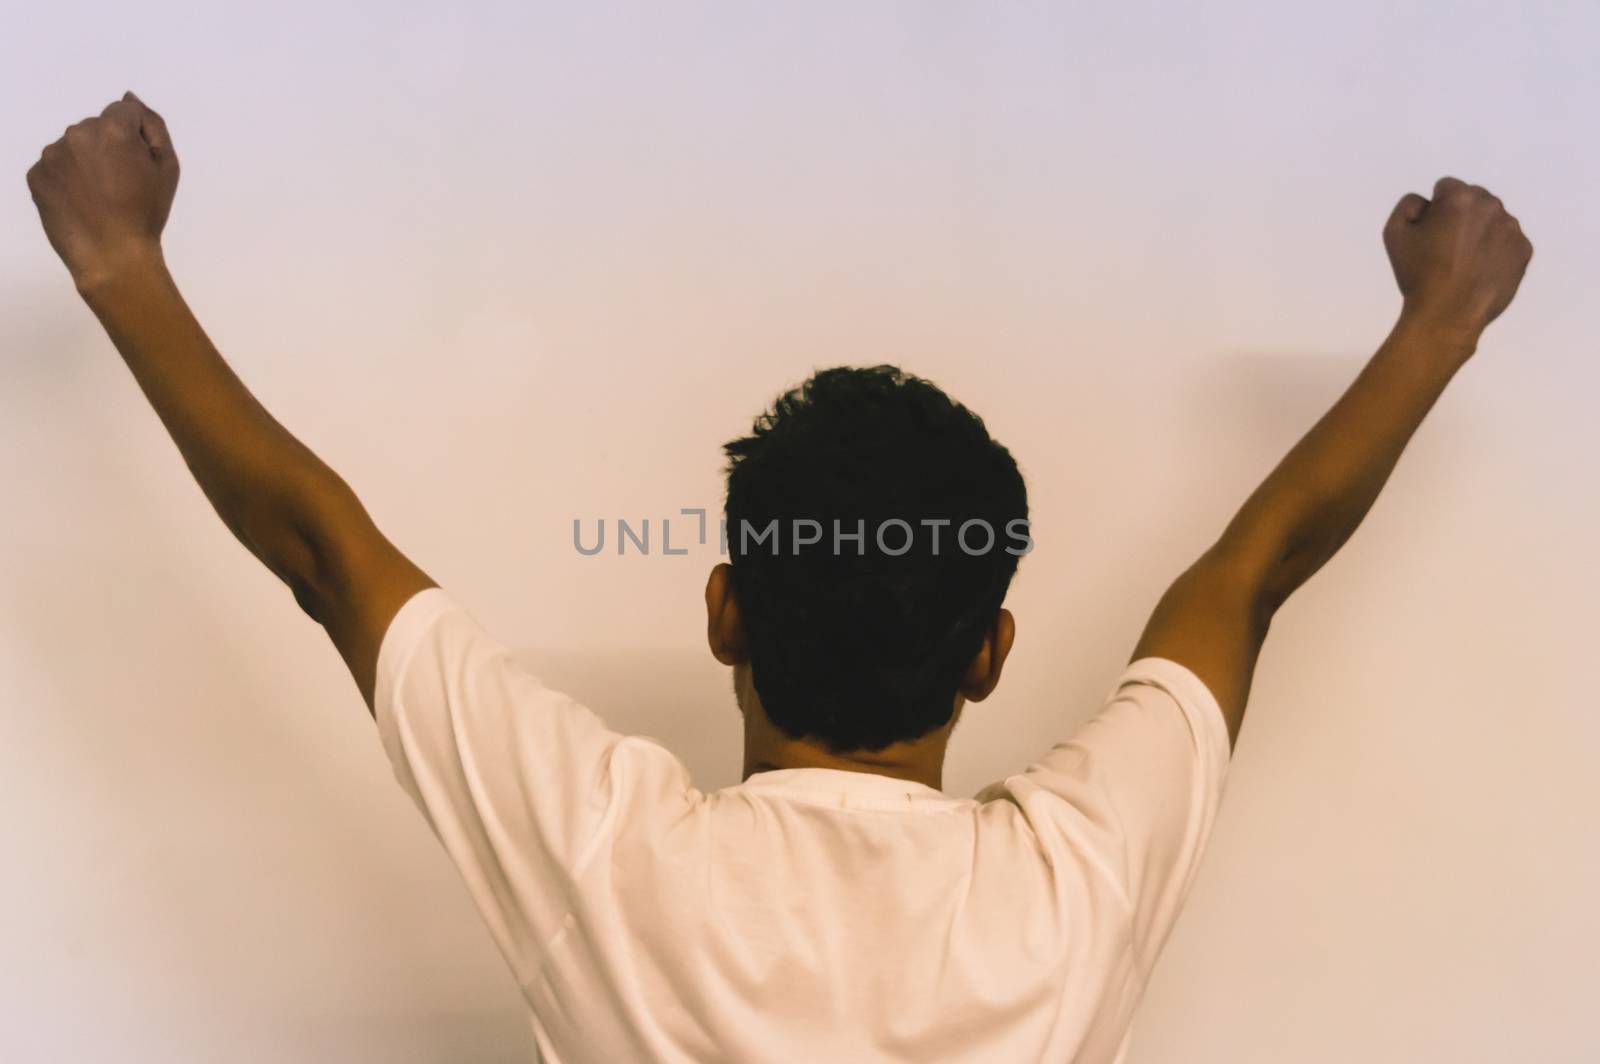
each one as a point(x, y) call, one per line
point(1134, 792)
point(515, 779)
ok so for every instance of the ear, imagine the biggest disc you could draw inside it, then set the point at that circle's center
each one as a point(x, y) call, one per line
point(983, 675)
point(724, 627)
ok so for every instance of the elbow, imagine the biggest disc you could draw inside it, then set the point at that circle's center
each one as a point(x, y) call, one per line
point(292, 559)
point(1263, 607)
point(306, 597)
point(1256, 581)
point(295, 537)
point(1270, 592)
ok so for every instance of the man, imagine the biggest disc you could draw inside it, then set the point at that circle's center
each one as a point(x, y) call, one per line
point(835, 905)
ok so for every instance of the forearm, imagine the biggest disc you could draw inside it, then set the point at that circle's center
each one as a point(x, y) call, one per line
point(1314, 499)
point(269, 489)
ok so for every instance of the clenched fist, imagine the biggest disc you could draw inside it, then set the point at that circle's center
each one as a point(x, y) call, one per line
point(105, 188)
point(1459, 257)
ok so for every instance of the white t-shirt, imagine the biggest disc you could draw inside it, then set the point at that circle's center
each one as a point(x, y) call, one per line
point(804, 914)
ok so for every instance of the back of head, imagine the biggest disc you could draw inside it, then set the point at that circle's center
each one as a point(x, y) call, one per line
point(873, 528)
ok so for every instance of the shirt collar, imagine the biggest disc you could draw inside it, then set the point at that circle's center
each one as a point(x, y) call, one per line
point(841, 782)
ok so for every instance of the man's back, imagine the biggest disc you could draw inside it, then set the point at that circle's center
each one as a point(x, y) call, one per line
point(806, 913)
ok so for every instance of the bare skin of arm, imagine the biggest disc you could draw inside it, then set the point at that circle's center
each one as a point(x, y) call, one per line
point(104, 191)
point(1459, 259)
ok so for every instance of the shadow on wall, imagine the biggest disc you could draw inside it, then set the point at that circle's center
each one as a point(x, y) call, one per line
point(1248, 408)
point(1283, 390)
point(1269, 399)
point(195, 837)
point(481, 1038)
point(682, 700)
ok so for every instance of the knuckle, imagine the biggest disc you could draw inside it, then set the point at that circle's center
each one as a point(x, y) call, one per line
point(38, 179)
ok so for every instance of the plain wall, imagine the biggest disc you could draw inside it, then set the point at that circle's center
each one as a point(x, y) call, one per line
point(504, 266)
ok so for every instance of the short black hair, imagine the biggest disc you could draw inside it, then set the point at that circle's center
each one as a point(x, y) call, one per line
point(861, 638)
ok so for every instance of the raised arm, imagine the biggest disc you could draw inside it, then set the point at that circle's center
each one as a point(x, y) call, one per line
point(103, 192)
point(1458, 258)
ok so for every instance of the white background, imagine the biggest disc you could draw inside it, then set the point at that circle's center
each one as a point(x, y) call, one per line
point(506, 267)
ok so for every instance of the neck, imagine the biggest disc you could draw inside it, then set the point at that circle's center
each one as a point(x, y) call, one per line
point(921, 760)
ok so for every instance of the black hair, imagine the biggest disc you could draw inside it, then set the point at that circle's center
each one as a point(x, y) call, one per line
point(873, 526)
